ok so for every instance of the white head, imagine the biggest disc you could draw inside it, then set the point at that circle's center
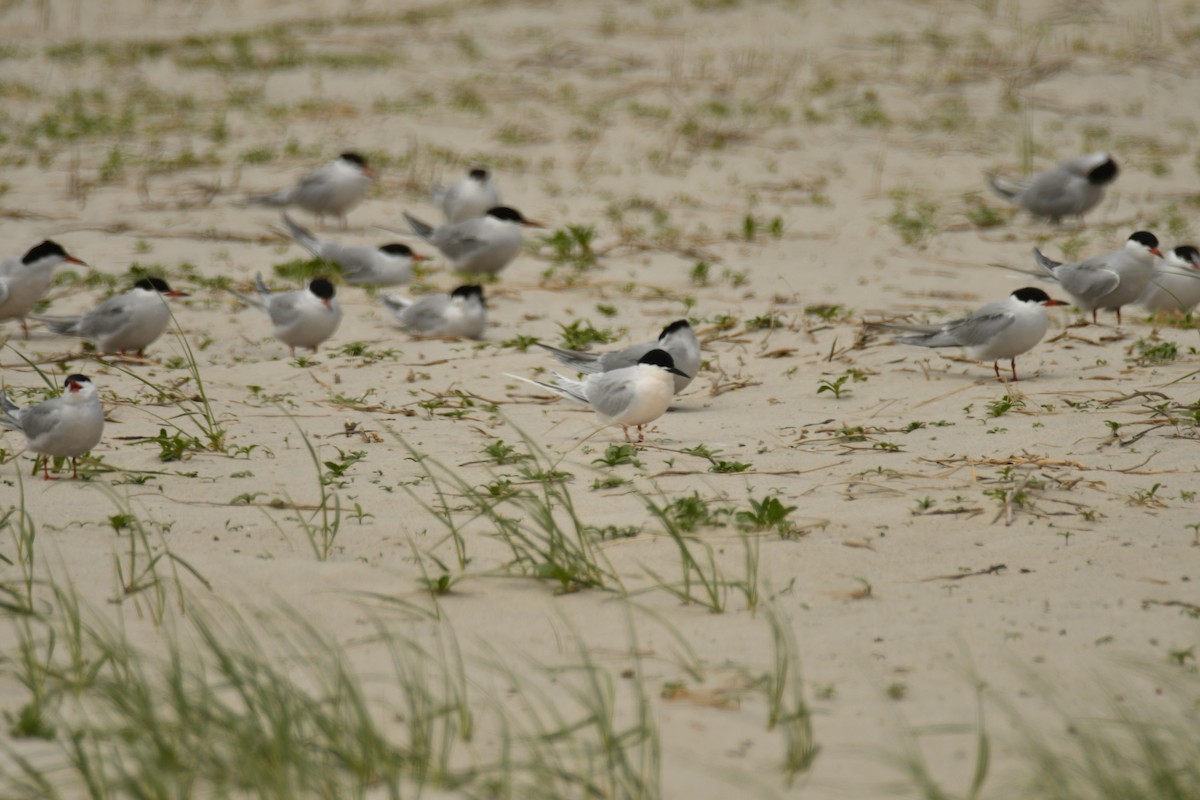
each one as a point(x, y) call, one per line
point(1143, 243)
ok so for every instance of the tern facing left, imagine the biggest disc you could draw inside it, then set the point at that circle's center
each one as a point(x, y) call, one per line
point(66, 426)
point(302, 317)
point(124, 322)
point(469, 198)
point(1108, 280)
point(1001, 330)
point(631, 396)
point(1175, 285)
point(388, 265)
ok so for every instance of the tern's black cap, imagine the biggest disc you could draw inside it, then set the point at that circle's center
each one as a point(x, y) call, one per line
point(1146, 238)
point(479, 174)
point(469, 291)
point(1104, 173)
point(661, 358)
point(677, 325)
point(44, 250)
point(322, 288)
point(1031, 295)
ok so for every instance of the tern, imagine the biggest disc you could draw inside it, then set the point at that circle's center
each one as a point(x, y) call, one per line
point(333, 188)
point(302, 317)
point(24, 280)
point(1175, 285)
point(678, 339)
point(1108, 280)
point(1001, 330)
point(469, 198)
point(484, 245)
point(66, 426)
point(1072, 188)
point(462, 314)
point(630, 396)
point(124, 322)
point(388, 265)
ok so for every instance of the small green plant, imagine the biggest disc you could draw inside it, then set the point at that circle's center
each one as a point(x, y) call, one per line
point(502, 453)
point(581, 334)
point(174, 446)
point(616, 455)
point(837, 387)
point(520, 342)
point(915, 221)
point(572, 246)
point(765, 515)
point(998, 408)
point(1151, 352)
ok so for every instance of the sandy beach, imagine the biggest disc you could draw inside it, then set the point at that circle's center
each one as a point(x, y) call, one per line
point(839, 567)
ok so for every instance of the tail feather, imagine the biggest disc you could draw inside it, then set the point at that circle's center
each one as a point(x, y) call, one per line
point(1007, 188)
point(396, 303)
point(582, 362)
point(1045, 263)
point(63, 326)
point(302, 235)
point(7, 409)
point(419, 228)
point(559, 389)
point(276, 199)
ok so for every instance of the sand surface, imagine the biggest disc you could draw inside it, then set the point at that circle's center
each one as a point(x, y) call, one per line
point(1016, 536)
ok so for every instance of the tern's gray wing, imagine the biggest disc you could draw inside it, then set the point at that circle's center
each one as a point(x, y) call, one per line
point(36, 420)
point(461, 239)
point(1088, 280)
point(422, 229)
point(981, 327)
point(106, 318)
point(352, 259)
point(609, 393)
point(284, 308)
point(625, 357)
point(426, 315)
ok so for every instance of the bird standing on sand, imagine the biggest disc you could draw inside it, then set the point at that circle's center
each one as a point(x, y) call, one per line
point(302, 317)
point(678, 339)
point(1072, 188)
point(387, 265)
point(1175, 285)
point(462, 314)
point(481, 246)
point(66, 426)
point(469, 198)
point(630, 396)
point(124, 322)
point(25, 280)
point(1001, 330)
point(1108, 280)
point(333, 188)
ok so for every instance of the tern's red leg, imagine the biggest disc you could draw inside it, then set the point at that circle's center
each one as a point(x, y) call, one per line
point(641, 435)
point(1118, 317)
point(1094, 320)
point(996, 366)
point(1014, 369)
point(625, 430)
